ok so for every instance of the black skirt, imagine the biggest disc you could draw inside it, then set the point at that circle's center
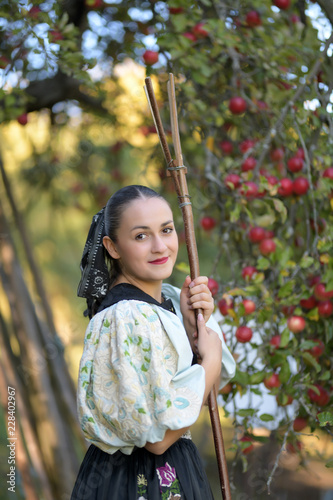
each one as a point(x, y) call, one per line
point(178, 474)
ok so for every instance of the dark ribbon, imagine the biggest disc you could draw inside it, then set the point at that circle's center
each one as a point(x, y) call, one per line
point(95, 278)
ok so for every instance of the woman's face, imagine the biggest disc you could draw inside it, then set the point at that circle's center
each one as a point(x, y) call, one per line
point(147, 243)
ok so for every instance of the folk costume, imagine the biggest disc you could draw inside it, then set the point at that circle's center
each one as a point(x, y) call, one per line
point(137, 379)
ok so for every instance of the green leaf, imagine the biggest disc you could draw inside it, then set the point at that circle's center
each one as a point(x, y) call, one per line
point(325, 418)
point(263, 264)
point(246, 412)
point(329, 464)
point(141, 410)
point(241, 378)
point(280, 207)
point(285, 336)
point(307, 356)
point(183, 267)
point(266, 417)
point(234, 214)
point(285, 372)
point(306, 261)
point(287, 289)
point(257, 378)
point(106, 323)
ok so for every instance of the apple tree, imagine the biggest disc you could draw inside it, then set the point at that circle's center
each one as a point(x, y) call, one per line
point(256, 118)
point(254, 88)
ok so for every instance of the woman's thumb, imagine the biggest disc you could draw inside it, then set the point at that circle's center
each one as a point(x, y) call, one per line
point(201, 321)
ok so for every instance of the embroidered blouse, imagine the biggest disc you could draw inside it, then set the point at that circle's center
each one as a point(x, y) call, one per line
point(136, 377)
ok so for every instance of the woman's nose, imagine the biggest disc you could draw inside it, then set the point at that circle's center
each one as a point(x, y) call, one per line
point(158, 245)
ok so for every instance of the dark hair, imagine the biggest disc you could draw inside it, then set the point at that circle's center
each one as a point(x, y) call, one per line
point(114, 209)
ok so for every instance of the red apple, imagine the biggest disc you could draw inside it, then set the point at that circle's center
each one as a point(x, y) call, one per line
point(227, 147)
point(282, 4)
point(226, 389)
point(224, 305)
point(191, 36)
point(288, 310)
point(249, 164)
point(232, 181)
point(309, 303)
point(256, 234)
point(248, 272)
point(300, 186)
point(94, 4)
point(246, 145)
point(325, 309)
point(243, 334)
point(249, 189)
point(208, 223)
point(321, 225)
point(294, 448)
point(267, 246)
point(150, 57)
point(286, 187)
point(248, 449)
point(317, 350)
point(269, 234)
point(176, 10)
point(296, 324)
point(237, 105)
point(272, 381)
point(281, 400)
point(277, 154)
point(299, 424)
point(55, 36)
point(4, 61)
point(249, 306)
point(275, 341)
point(328, 173)
point(23, 119)
point(199, 30)
point(320, 292)
point(313, 280)
point(321, 399)
point(300, 153)
point(213, 286)
point(295, 164)
point(33, 13)
point(253, 18)
point(272, 180)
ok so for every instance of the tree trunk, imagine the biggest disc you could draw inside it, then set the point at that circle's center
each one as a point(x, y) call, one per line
point(56, 434)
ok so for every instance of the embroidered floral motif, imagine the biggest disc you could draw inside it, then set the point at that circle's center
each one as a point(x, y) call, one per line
point(169, 484)
point(142, 482)
point(166, 475)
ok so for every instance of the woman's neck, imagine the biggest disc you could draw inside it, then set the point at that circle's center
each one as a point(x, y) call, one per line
point(154, 289)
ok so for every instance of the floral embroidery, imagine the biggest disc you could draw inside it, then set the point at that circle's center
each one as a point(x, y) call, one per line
point(169, 484)
point(142, 482)
point(166, 474)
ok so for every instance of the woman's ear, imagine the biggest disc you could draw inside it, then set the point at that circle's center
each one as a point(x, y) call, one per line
point(110, 247)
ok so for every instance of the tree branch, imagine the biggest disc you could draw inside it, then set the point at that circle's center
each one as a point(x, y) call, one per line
point(46, 93)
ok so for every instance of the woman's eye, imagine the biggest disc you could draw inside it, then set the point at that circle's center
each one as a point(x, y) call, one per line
point(140, 236)
point(168, 230)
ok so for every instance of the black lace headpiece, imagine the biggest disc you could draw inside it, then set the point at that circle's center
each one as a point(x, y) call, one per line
point(95, 277)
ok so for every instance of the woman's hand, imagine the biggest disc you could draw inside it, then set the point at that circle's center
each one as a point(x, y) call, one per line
point(195, 295)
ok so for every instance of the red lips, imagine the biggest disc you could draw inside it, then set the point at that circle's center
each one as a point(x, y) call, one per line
point(159, 261)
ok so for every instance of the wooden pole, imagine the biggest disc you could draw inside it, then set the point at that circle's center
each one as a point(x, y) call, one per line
point(178, 173)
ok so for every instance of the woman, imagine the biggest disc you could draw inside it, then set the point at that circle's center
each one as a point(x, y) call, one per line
point(139, 388)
